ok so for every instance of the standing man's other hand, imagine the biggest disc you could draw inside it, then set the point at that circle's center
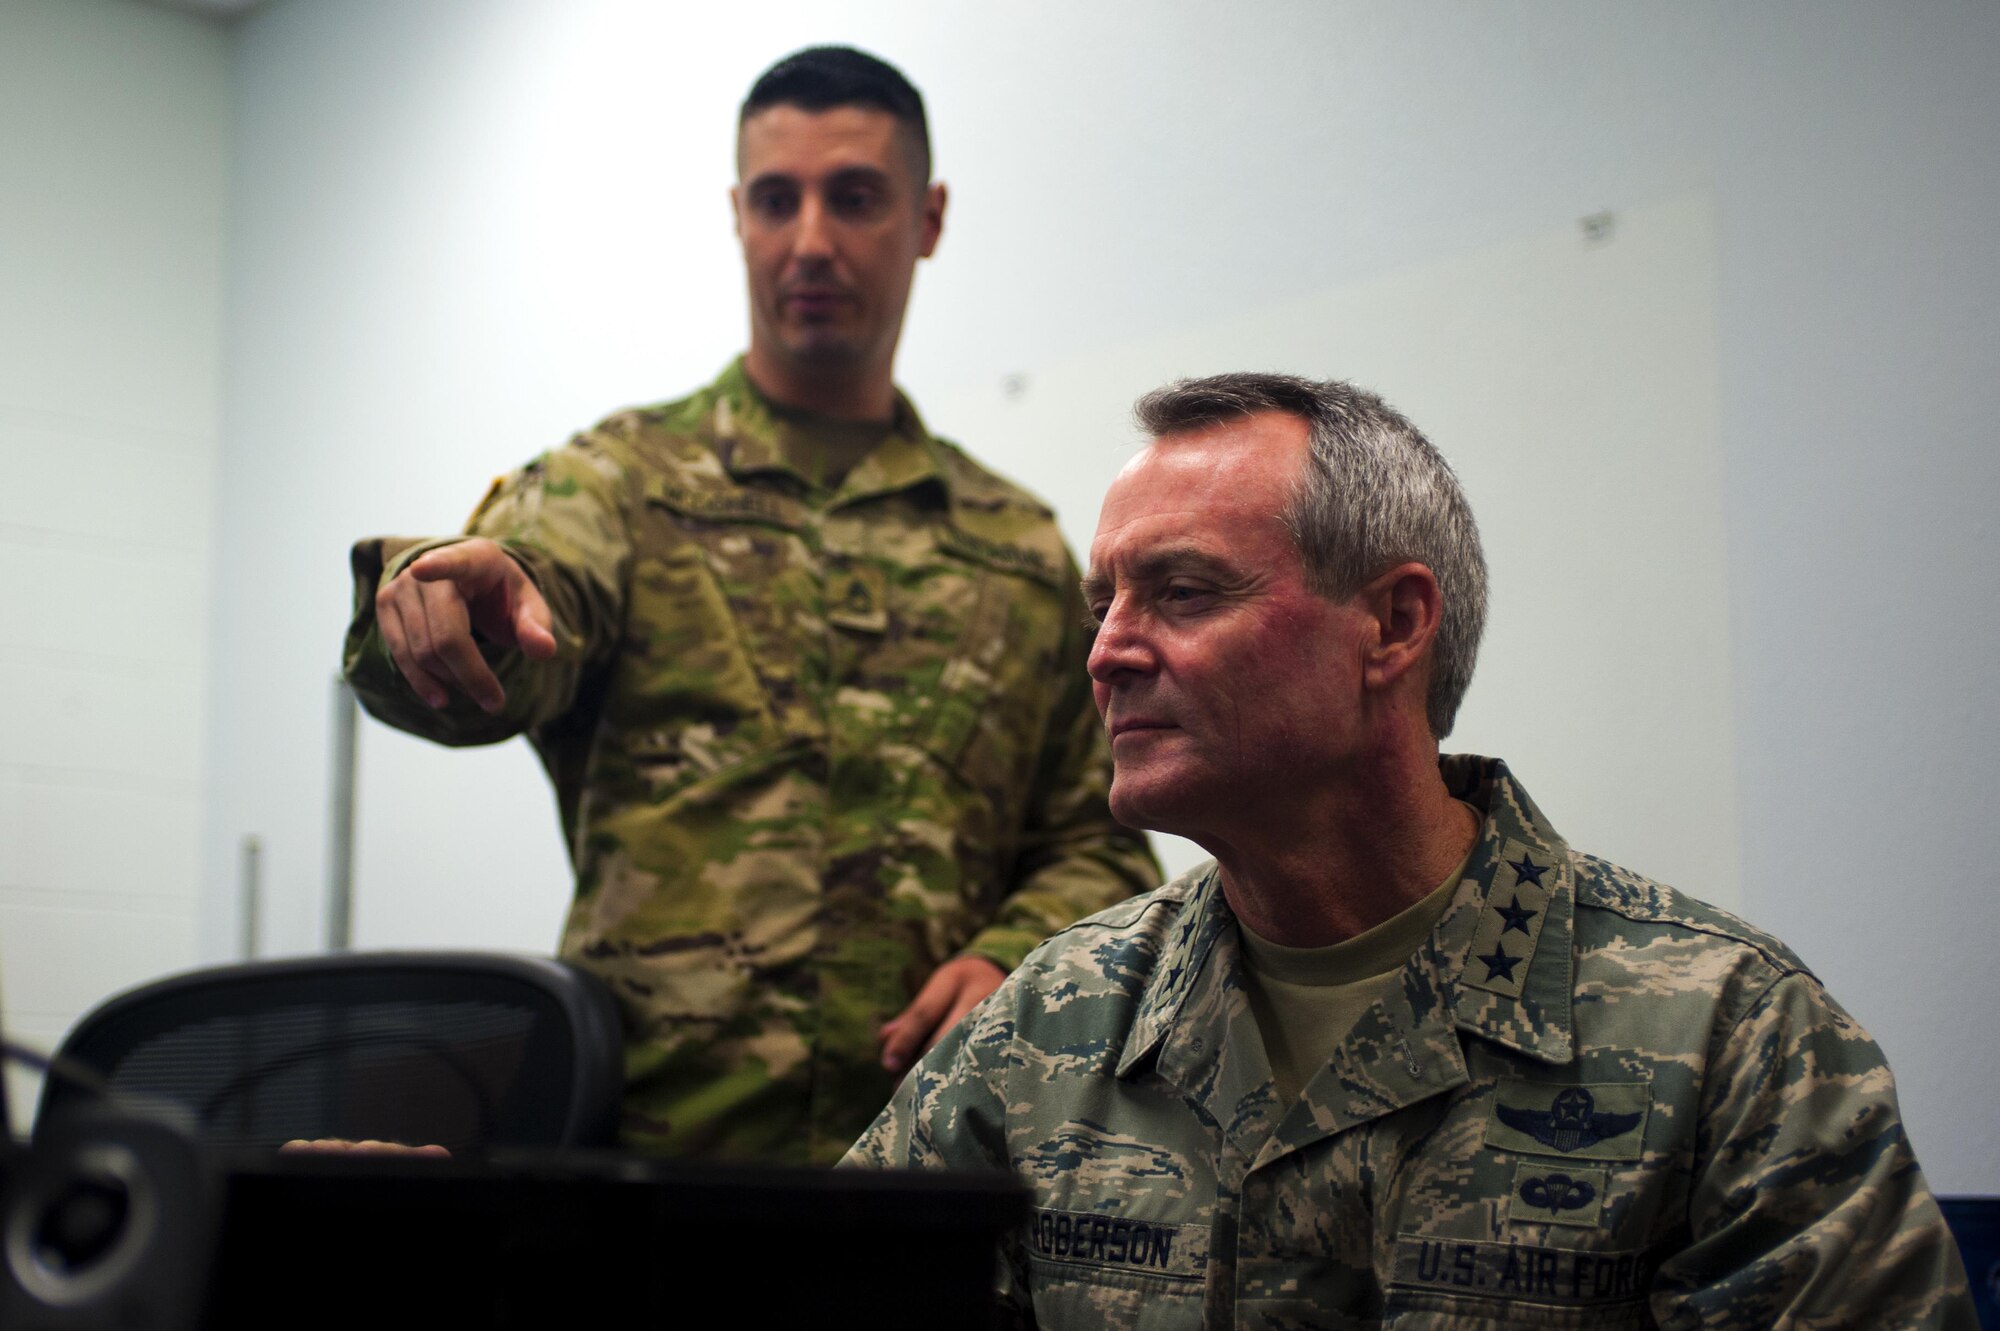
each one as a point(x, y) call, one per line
point(953, 990)
point(342, 1146)
point(429, 612)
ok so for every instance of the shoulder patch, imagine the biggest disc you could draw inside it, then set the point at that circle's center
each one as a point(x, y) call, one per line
point(485, 502)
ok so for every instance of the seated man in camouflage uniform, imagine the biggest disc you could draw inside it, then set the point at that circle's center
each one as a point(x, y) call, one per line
point(808, 680)
point(1399, 1056)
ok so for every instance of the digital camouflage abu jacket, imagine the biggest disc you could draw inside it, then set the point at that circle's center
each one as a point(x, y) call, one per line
point(1595, 1104)
point(806, 746)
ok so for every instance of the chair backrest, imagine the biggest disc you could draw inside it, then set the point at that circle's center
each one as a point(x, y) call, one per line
point(465, 1050)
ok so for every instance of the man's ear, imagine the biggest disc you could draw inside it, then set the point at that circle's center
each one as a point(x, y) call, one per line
point(934, 201)
point(736, 210)
point(1405, 606)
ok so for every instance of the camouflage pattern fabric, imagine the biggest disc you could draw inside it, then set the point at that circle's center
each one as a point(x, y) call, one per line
point(806, 746)
point(1594, 1103)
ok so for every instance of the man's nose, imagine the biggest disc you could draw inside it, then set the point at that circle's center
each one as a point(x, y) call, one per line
point(812, 237)
point(1120, 647)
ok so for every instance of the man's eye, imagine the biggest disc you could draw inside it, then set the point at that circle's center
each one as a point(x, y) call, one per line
point(1184, 596)
point(856, 202)
point(774, 203)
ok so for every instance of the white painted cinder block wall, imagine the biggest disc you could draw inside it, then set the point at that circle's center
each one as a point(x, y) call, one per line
point(113, 131)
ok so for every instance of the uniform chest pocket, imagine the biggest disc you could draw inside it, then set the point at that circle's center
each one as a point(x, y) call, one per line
point(1069, 1296)
point(1092, 1269)
point(967, 667)
point(1418, 1312)
point(710, 672)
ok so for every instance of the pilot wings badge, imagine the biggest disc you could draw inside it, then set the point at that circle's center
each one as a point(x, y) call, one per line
point(1573, 1122)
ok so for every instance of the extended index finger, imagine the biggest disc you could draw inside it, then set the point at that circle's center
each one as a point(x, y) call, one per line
point(474, 564)
point(453, 652)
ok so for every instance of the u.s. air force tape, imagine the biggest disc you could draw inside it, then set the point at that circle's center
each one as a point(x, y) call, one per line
point(1119, 1242)
point(1521, 1271)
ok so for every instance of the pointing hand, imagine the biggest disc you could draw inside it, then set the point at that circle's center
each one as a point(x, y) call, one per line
point(430, 611)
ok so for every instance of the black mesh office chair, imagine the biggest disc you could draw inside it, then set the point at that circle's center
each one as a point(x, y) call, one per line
point(465, 1050)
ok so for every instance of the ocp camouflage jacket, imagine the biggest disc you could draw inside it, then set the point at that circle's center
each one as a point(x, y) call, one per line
point(1595, 1103)
point(806, 746)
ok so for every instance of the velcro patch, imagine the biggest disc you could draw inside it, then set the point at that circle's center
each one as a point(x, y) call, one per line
point(857, 598)
point(729, 505)
point(1517, 905)
point(1552, 1194)
point(1521, 1271)
point(486, 501)
point(1593, 1121)
point(1021, 559)
point(1119, 1243)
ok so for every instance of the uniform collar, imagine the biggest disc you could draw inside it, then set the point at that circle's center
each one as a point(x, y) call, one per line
point(1194, 1027)
point(1184, 955)
point(1499, 959)
point(751, 438)
point(1505, 945)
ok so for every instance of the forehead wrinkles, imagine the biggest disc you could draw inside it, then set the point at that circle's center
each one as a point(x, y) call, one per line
point(1152, 564)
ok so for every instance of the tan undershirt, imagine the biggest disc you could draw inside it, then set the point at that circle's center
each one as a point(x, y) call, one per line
point(1307, 999)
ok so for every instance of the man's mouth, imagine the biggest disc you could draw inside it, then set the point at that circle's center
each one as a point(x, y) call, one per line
point(816, 301)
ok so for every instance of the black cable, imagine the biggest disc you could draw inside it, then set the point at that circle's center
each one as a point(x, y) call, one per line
point(57, 1066)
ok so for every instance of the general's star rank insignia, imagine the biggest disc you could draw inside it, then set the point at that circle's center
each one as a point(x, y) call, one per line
point(1510, 927)
point(1526, 870)
point(1516, 916)
point(1499, 965)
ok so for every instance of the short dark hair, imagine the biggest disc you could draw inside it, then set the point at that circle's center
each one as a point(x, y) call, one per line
point(1374, 494)
point(820, 78)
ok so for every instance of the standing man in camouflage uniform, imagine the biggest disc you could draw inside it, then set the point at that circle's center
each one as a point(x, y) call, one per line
point(808, 681)
point(1399, 1056)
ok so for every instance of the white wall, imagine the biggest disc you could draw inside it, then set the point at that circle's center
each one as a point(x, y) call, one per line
point(463, 228)
point(113, 123)
point(1592, 631)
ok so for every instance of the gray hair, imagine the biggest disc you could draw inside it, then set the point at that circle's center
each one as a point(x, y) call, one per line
point(1374, 495)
